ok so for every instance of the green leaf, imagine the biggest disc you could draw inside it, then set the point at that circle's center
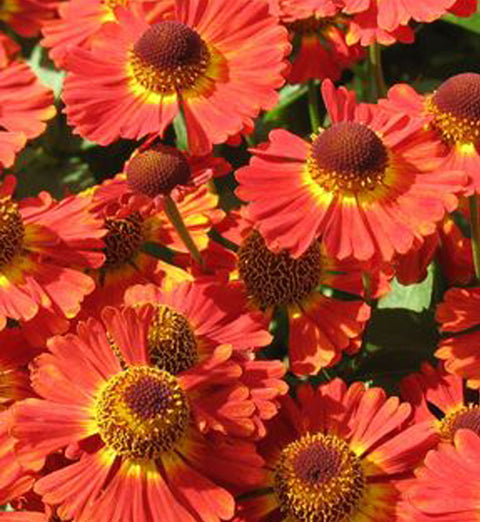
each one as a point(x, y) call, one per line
point(412, 297)
point(288, 95)
point(180, 129)
point(472, 23)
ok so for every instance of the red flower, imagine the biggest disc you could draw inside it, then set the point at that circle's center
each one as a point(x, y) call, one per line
point(318, 31)
point(386, 21)
point(44, 245)
point(459, 316)
point(131, 428)
point(26, 17)
point(438, 398)
point(79, 22)
point(137, 227)
point(368, 185)
point(453, 113)
point(26, 105)
point(336, 453)
point(220, 62)
point(446, 488)
point(217, 314)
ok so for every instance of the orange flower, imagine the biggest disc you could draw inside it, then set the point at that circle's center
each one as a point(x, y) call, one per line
point(26, 17)
point(453, 113)
point(318, 32)
point(140, 240)
point(217, 314)
point(79, 22)
point(368, 186)
point(459, 318)
point(130, 426)
point(438, 398)
point(447, 485)
point(44, 246)
point(219, 62)
point(336, 454)
point(26, 105)
point(386, 21)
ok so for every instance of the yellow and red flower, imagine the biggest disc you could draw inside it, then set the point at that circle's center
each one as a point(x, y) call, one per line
point(135, 224)
point(368, 186)
point(26, 106)
point(130, 427)
point(438, 398)
point(217, 62)
point(453, 112)
point(322, 326)
point(447, 486)
point(459, 317)
point(386, 21)
point(217, 314)
point(318, 32)
point(26, 17)
point(44, 246)
point(336, 454)
point(79, 21)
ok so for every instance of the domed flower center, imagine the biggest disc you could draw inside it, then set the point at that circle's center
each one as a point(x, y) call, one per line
point(169, 57)
point(348, 157)
point(277, 279)
point(467, 417)
point(123, 240)
point(157, 171)
point(318, 477)
point(171, 342)
point(142, 412)
point(455, 106)
point(12, 231)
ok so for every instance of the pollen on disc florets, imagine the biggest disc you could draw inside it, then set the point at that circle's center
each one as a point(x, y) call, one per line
point(278, 279)
point(171, 342)
point(158, 170)
point(123, 240)
point(12, 231)
point(347, 157)
point(318, 478)
point(169, 57)
point(142, 412)
point(455, 106)
point(466, 417)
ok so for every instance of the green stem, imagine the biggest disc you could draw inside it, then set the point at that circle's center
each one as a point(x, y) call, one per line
point(367, 287)
point(313, 105)
point(475, 227)
point(379, 89)
point(177, 221)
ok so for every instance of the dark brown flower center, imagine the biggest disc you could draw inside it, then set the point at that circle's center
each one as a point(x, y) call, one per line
point(12, 231)
point(157, 170)
point(277, 279)
point(318, 478)
point(123, 240)
point(349, 157)
point(467, 417)
point(171, 341)
point(455, 106)
point(142, 412)
point(169, 57)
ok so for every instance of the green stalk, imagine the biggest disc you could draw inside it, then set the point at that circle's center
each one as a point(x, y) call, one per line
point(313, 106)
point(173, 214)
point(475, 227)
point(379, 88)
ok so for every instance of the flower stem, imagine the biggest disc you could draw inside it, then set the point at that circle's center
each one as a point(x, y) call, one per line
point(379, 89)
point(475, 228)
point(173, 214)
point(313, 105)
